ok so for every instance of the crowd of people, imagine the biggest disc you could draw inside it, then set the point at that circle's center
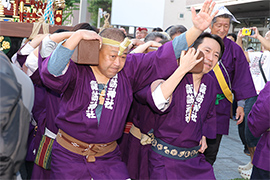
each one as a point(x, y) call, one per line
point(155, 107)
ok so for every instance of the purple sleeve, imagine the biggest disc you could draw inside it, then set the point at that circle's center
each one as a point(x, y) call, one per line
point(143, 69)
point(209, 128)
point(259, 116)
point(56, 83)
point(21, 59)
point(242, 84)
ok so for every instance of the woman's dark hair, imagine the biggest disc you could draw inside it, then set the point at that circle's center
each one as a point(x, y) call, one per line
point(200, 39)
point(86, 26)
point(157, 29)
point(233, 35)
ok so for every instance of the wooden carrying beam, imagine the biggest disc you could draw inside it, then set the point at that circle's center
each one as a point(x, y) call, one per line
point(17, 29)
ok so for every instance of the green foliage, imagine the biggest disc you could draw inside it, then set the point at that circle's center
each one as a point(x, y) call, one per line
point(106, 5)
point(67, 12)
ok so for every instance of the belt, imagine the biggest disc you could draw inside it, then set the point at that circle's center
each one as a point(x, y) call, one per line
point(219, 97)
point(136, 132)
point(89, 150)
point(174, 152)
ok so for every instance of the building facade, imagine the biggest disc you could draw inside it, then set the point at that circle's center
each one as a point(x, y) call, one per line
point(163, 13)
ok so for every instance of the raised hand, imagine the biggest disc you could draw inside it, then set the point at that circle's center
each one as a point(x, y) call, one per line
point(189, 60)
point(203, 19)
point(256, 32)
point(240, 35)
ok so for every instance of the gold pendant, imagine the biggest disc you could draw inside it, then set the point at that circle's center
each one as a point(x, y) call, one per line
point(102, 97)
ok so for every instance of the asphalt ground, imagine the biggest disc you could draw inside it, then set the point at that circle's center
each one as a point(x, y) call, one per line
point(230, 155)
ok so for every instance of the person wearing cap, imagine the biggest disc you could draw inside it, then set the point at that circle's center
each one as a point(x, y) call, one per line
point(96, 99)
point(141, 33)
point(233, 76)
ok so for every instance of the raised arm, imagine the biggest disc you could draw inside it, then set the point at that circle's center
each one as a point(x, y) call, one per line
point(264, 42)
point(37, 40)
point(239, 41)
point(62, 54)
point(201, 21)
point(141, 48)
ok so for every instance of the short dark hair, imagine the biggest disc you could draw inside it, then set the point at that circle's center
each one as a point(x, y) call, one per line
point(250, 48)
point(113, 33)
point(177, 29)
point(158, 29)
point(86, 26)
point(200, 39)
point(60, 30)
point(233, 35)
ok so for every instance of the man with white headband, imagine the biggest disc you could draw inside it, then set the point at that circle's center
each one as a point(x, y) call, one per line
point(96, 99)
point(233, 76)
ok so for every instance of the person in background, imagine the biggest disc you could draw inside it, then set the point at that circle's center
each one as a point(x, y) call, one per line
point(233, 70)
point(250, 49)
point(157, 29)
point(86, 26)
point(134, 144)
point(19, 59)
point(258, 74)
point(241, 127)
point(176, 30)
point(232, 37)
point(141, 33)
point(259, 125)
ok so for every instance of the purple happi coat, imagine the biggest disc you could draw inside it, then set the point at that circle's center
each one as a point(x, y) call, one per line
point(172, 127)
point(235, 62)
point(77, 116)
point(259, 123)
point(51, 108)
point(51, 102)
point(38, 113)
point(134, 154)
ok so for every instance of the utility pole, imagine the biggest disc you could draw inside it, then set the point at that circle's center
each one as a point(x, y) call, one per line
point(83, 11)
point(100, 15)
